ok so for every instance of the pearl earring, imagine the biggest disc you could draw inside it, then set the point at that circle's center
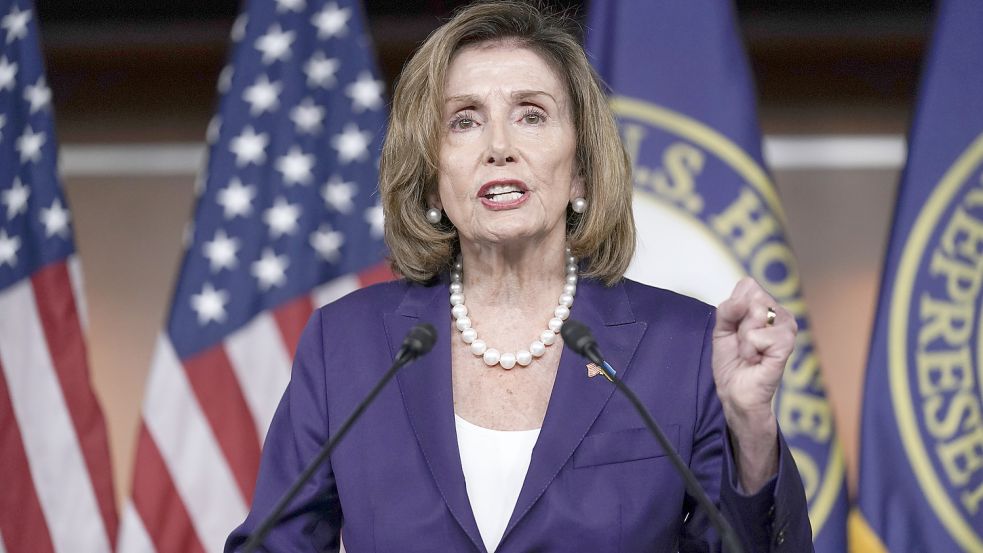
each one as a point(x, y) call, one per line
point(434, 215)
point(578, 204)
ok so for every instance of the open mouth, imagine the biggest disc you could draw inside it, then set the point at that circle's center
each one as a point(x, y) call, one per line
point(503, 192)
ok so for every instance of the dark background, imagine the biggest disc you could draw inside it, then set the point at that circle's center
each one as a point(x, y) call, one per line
point(821, 66)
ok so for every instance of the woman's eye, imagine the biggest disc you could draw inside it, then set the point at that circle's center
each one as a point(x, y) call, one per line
point(533, 117)
point(462, 122)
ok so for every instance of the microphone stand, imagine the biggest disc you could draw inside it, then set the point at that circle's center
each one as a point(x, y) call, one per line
point(409, 352)
point(727, 534)
point(579, 339)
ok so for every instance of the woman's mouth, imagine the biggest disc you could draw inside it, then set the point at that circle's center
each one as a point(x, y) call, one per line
point(503, 194)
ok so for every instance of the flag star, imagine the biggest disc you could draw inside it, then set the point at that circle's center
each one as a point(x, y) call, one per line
point(55, 220)
point(290, 5)
point(236, 199)
point(249, 147)
point(331, 21)
point(8, 71)
point(16, 199)
point(15, 23)
point(321, 71)
point(327, 243)
point(221, 251)
point(295, 167)
point(3, 122)
point(38, 95)
point(270, 270)
point(366, 93)
point(275, 44)
point(225, 78)
point(210, 304)
point(338, 194)
point(281, 218)
point(29, 145)
point(239, 27)
point(263, 95)
point(376, 220)
point(307, 116)
point(351, 144)
point(8, 248)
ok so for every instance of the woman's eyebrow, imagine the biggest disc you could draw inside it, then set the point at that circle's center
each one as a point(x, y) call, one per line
point(519, 95)
point(463, 99)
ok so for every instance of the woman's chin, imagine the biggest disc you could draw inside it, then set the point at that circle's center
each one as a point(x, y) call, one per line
point(513, 236)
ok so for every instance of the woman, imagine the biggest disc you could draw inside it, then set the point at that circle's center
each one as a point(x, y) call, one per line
point(507, 197)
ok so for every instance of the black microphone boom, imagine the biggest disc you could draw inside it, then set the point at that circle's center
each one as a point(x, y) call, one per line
point(578, 338)
point(418, 342)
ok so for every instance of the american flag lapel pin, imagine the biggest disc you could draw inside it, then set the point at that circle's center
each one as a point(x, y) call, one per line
point(593, 369)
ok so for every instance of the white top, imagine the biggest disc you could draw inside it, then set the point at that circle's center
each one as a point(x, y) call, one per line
point(495, 464)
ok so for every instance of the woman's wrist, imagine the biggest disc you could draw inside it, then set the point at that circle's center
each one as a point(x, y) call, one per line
point(754, 442)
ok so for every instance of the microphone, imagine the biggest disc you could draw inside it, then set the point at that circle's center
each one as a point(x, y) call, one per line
point(577, 336)
point(418, 342)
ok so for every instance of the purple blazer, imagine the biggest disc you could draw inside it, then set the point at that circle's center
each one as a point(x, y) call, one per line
point(597, 480)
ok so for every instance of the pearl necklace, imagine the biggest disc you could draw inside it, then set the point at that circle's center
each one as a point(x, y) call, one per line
point(537, 348)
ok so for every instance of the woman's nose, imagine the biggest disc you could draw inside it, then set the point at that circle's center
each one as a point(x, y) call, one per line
point(500, 148)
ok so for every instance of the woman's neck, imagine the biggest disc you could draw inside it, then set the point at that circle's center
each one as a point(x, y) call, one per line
point(514, 274)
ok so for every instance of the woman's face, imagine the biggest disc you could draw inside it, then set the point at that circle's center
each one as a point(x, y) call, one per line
point(507, 166)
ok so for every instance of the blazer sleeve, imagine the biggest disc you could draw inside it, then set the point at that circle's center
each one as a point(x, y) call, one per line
point(312, 522)
point(774, 518)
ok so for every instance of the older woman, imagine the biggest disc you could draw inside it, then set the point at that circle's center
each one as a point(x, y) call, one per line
point(508, 208)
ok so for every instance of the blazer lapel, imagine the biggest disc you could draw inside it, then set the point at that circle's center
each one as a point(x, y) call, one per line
point(427, 393)
point(576, 401)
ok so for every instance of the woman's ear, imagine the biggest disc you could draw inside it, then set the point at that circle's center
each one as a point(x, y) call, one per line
point(577, 188)
point(433, 200)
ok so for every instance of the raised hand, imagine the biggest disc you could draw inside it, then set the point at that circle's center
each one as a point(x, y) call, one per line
point(752, 340)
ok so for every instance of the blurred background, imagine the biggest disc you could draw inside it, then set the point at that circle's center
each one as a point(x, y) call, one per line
point(134, 88)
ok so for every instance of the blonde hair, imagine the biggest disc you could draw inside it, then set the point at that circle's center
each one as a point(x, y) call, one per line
point(603, 237)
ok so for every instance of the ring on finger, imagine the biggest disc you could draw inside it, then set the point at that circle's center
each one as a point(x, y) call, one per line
point(771, 316)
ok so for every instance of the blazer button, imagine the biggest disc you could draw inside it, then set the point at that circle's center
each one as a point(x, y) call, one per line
point(780, 537)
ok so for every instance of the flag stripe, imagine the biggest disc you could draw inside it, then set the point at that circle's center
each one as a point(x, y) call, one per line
point(55, 300)
point(133, 534)
point(380, 272)
point(78, 288)
point(21, 519)
point(188, 446)
point(60, 475)
point(262, 367)
point(291, 318)
point(217, 389)
point(159, 505)
point(334, 289)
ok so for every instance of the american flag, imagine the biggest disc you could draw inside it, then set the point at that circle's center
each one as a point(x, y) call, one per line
point(57, 491)
point(287, 219)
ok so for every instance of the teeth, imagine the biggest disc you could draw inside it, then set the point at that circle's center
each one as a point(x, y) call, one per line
point(502, 189)
point(503, 198)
